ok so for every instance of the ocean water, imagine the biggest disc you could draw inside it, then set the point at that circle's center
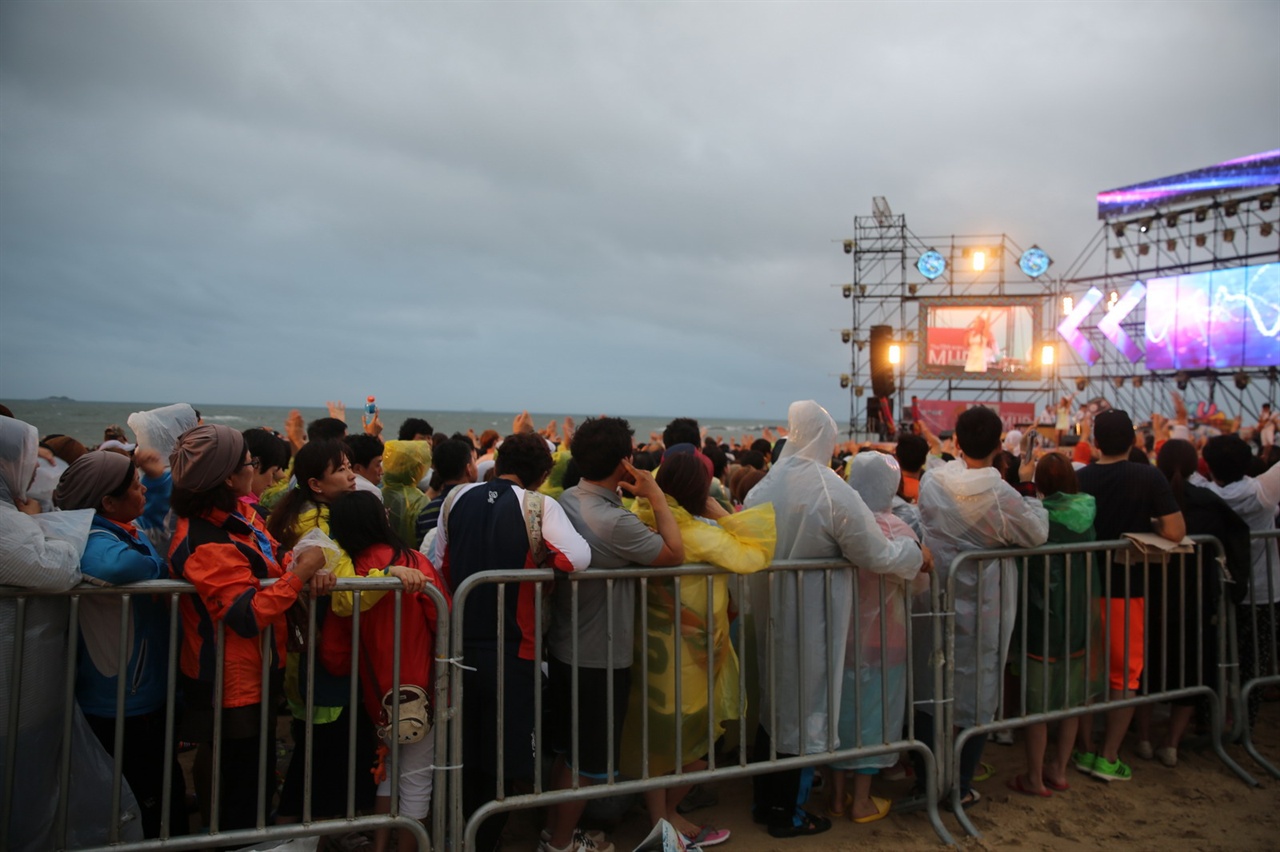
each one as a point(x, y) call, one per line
point(85, 421)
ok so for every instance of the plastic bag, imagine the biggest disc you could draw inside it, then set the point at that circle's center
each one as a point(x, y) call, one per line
point(159, 428)
point(663, 838)
point(71, 527)
point(316, 537)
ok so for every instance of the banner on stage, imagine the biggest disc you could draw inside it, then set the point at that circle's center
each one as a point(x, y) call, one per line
point(940, 414)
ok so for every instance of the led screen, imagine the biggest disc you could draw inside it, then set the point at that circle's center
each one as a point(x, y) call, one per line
point(979, 338)
point(1218, 320)
point(1257, 170)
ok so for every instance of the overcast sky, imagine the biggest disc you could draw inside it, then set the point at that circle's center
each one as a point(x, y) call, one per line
point(557, 206)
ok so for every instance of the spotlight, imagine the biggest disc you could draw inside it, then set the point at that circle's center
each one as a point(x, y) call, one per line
point(931, 264)
point(1068, 304)
point(1202, 213)
point(1119, 229)
point(846, 290)
point(1144, 249)
point(1229, 235)
point(1182, 380)
point(1081, 383)
point(1034, 262)
point(862, 289)
point(1112, 299)
point(848, 246)
point(844, 380)
point(979, 260)
point(1242, 380)
point(1231, 208)
point(913, 288)
point(1117, 252)
point(1171, 220)
point(1046, 355)
point(1170, 244)
point(895, 353)
point(846, 334)
point(1137, 381)
point(1266, 229)
point(859, 390)
point(911, 337)
point(1145, 225)
point(1200, 240)
point(1118, 381)
point(1265, 201)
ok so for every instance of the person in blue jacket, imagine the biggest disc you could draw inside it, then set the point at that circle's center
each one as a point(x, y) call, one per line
point(129, 497)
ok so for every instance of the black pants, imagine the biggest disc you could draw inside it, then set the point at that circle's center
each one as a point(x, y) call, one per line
point(774, 794)
point(1256, 648)
point(143, 768)
point(970, 755)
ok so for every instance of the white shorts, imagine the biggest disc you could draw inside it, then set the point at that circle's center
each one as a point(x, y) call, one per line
point(416, 771)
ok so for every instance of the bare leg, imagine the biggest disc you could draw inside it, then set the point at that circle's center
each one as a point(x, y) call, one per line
point(1037, 737)
point(862, 805)
point(835, 799)
point(1057, 770)
point(405, 841)
point(1179, 719)
point(1084, 734)
point(1142, 721)
point(1117, 726)
point(565, 815)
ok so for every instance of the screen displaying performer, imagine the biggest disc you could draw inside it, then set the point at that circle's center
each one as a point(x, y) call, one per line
point(979, 339)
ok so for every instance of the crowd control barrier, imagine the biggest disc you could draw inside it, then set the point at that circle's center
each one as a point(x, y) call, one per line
point(801, 584)
point(1255, 635)
point(45, 805)
point(900, 652)
point(1137, 629)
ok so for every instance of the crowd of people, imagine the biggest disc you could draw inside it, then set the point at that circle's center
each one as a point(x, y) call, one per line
point(227, 510)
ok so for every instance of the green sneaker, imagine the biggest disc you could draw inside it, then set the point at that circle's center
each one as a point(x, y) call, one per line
point(1107, 770)
point(1084, 761)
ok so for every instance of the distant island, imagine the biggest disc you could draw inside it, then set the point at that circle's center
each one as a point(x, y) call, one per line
point(58, 399)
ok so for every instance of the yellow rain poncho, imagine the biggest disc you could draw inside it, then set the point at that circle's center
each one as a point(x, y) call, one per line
point(404, 463)
point(741, 543)
point(553, 487)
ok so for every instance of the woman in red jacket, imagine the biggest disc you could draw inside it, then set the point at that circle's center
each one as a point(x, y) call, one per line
point(227, 555)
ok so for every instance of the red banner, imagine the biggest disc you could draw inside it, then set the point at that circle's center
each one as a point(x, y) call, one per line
point(940, 414)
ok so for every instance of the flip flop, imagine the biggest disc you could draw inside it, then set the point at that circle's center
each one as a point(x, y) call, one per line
point(985, 771)
point(1054, 785)
point(882, 810)
point(813, 824)
point(1018, 784)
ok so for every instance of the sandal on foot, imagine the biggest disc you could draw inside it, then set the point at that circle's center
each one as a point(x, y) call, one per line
point(1055, 785)
point(708, 836)
point(842, 812)
point(968, 800)
point(985, 771)
point(812, 824)
point(882, 810)
point(1022, 784)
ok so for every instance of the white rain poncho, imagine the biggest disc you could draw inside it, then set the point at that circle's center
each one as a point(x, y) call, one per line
point(160, 428)
point(974, 509)
point(818, 516)
point(878, 631)
point(43, 552)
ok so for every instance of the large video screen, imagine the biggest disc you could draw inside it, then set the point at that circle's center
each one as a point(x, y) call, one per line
point(1218, 320)
point(1256, 170)
point(979, 338)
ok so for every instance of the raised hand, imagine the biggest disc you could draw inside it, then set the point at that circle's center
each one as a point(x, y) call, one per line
point(337, 410)
point(372, 425)
point(150, 462)
point(295, 428)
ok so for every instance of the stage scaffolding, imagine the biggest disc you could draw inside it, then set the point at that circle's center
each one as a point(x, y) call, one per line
point(1231, 229)
point(886, 290)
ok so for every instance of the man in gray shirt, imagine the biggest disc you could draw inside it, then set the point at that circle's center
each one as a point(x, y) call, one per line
point(602, 449)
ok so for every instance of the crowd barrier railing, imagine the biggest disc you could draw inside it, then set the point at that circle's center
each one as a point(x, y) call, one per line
point(812, 595)
point(1254, 632)
point(1132, 604)
point(38, 681)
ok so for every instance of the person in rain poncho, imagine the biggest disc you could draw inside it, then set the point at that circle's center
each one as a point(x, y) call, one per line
point(741, 543)
point(966, 505)
point(875, 663)
point(403, 464)
point(818, 516)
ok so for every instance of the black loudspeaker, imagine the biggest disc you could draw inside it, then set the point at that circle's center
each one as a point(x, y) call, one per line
point(882, 381)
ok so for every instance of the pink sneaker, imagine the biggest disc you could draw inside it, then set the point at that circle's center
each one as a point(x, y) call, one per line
point(708, 836)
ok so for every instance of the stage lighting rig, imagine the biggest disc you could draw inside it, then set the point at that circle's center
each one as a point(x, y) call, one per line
point(1231, 208)
point(1081, 383)
point(847, 291)
point(1144, 249)
point(1200, 240)
point(1265, 229)
point(1229, 235)
point(1202, 213)
point(846, 334)
point(1170, 244)
point(848, 246)
point(1266, 201)
point(1171, 221)
point(1145, 225)
point(1117, 253)
point(1242, 380)
point(1119, 229)
point(1181, 379)
point(844, 380)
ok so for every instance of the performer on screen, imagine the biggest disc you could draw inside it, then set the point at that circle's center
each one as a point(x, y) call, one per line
point(983, 350)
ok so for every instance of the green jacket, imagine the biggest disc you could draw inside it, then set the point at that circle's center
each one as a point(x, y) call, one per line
point(1071, 519)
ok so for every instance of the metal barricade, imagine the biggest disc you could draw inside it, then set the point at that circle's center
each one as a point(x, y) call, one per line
point(984, 622)
point(827, 584)
point(65, 608)
point(1254, 631)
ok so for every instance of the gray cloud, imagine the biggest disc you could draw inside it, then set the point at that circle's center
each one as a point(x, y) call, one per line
point(583, 207)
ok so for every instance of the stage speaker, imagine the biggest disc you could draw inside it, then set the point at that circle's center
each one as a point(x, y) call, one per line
point(882, 380)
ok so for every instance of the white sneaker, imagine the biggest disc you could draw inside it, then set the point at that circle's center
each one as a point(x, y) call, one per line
point(1004, 737)
point(1168, 756)
point(583, 841)
point(1144, 750)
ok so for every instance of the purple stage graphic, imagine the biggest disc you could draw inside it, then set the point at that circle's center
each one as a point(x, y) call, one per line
point(1221, 320)
point(1256, 170)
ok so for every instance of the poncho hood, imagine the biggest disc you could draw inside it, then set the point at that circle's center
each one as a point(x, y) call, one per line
point(18, 448)
point(1075, 512)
